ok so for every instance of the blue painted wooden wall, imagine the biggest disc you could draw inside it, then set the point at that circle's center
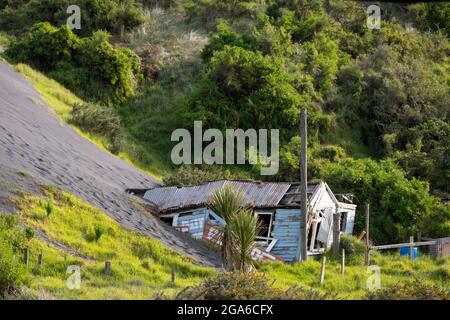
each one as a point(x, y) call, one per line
point(287, 231)
point(195, 221)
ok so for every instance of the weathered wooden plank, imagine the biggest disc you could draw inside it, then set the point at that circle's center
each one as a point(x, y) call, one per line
point(406, 244)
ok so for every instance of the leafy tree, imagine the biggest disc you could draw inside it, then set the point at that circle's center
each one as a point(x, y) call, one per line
point(399, 207)
point(44, 46)
point(109, 15)
point(88, 64)
point(244, 89)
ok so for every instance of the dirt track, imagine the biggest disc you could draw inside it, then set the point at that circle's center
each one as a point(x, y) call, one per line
point(34, 141)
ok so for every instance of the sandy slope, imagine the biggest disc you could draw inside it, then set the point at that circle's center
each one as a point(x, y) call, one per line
point(34, 141)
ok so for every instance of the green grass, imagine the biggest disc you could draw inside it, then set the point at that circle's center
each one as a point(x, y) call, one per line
point(78, 234)
point(352, 285)
point(141, 266)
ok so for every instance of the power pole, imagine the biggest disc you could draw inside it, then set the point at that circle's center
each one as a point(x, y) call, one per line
point(367, 256)
point(303, 240)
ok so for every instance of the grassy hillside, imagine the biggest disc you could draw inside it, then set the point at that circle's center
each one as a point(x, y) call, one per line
point(69, 232)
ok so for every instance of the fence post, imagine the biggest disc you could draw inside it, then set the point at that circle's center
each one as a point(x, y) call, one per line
point(411, 248)
point(173, 276)
point(107, 268)
point(367, 258)
point(40, 260)
point(26, 256)
point(343, 261)
point(322, 270)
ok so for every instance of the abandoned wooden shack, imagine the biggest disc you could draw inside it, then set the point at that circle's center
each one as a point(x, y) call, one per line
point(277, 205)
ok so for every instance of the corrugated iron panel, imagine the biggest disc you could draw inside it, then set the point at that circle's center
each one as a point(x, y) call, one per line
point(256, 194)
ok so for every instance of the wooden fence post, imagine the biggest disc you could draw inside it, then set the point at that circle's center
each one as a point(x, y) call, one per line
point(26, 256)
point(173, 276)
point(107, 268)
point(411, 248)
point(40, 260)
point(336, 233)
point(322, 270)
point(343, 261)
point(367, 258)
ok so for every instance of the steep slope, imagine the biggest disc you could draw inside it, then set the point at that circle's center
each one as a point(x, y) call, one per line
point(32, 140)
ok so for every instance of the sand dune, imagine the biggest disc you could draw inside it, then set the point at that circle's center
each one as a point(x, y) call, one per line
point(34, 141)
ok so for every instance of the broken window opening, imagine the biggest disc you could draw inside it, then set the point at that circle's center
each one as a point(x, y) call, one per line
point(343, 221)
point(266, 220)
point(167, 220)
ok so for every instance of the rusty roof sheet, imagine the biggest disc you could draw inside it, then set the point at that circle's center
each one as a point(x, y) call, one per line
point(255, 194)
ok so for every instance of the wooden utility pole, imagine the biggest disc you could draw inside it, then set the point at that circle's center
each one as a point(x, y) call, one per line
point(367, 235)
point(303, 239)
point(411, 247)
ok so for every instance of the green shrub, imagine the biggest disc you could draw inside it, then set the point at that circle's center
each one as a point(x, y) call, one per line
point(12, 270)
point(99, 231)
point(49, 208)
point(244, 89)
point(413, 290)
point(29, 232)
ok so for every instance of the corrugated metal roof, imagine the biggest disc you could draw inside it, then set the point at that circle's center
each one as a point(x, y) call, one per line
point(255, 194)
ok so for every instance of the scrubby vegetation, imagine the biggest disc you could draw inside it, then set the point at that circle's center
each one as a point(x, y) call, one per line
point(413, 290)
point(253, 286)
point(17, 16)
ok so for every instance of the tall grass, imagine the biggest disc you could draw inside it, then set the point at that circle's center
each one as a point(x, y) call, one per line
point(78, 234)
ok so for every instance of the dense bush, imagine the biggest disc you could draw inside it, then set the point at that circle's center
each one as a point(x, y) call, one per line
point(109, 15)
point(79, 62)
point(413, 290)
point(244, 89)
point(354, 249)
point(44, 46)
point(247, 286)
point(186, 176)
point(99, 120)
point(12, 241)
